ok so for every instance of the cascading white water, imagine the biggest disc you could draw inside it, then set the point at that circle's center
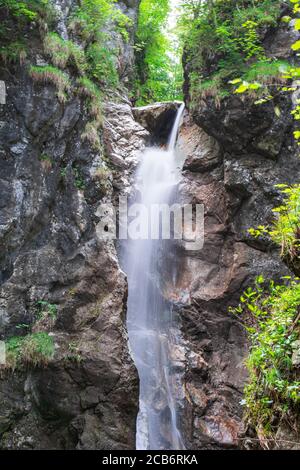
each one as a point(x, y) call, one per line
point(150, 321)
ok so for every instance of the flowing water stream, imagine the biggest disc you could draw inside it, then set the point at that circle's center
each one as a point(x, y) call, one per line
point(151, 323)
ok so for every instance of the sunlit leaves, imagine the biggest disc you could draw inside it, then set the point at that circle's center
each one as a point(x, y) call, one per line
point(296, 46)
point(159, 74)
point(269, 313)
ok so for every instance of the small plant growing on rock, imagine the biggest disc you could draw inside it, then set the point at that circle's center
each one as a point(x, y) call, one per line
point(285, 229)
point(102, 65)
point(91, 135)
point(13, 53)
point(35, 349)
point(79, 181)
point(93, 96)
point(46, 161)
point(49, 74)
point(74, 354)
point(63, 172)
point(46, 309)
point(93, 100)
point(46, 314)
point(271, 317)
point(103, 176)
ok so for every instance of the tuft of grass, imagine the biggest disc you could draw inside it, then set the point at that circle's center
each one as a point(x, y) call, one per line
point(35, 349)
point(93, 101)
point(91, 135)
point(79, 181)
point(88, 88)
point(50, 74)
point(64, 52)
point(15, 52)
point(46, 161)
point(267, 72)
point(74, 353)
point(103, 176)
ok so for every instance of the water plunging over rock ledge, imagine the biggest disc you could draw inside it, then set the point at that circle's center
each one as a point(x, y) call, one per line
point(151, 320)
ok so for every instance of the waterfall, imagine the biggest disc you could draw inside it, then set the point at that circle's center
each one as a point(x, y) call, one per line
point(150, 317)
point(174, 133)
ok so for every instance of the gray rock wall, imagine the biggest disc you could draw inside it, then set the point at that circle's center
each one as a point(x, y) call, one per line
point(236, 152)
point(51, 184)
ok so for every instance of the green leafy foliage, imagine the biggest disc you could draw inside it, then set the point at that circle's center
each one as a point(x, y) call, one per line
point(102, 65)
point(285, 229)
point(223, 41)
point(27, 10)
point(159, 74)
point(268, 75)
point(35, 349)
point(79, 181)
point(16, 16)
point(95, 61)
point(14, 52)
point(270, 315)
point(46, 309)
point(91, 17)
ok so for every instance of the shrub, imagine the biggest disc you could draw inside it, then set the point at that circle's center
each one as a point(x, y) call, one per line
point(285, 229)
point(90, 18)
point(223, 40)
point(22, 13)
point(13, 52)
point(267, 71)
point(102, 65)
point(18, 9)
point(35, 349)
point(271, 317)
point(49, 74)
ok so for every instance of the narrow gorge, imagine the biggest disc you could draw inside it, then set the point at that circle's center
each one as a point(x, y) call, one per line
point(146, 343)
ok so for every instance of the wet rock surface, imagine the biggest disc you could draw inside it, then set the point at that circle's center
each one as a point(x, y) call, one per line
point(158, 119)
point(52, 184)
point(51, 251)
point(234, 159)
point(235, 183)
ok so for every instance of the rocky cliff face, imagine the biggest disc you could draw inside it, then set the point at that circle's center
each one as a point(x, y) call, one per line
point(236, 152)
point(52, 183)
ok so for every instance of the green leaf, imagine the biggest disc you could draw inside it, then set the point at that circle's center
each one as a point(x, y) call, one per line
point(242, 88)
point(297, 24)
point(277, 111)
point(296, 46)
point(235, 81)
